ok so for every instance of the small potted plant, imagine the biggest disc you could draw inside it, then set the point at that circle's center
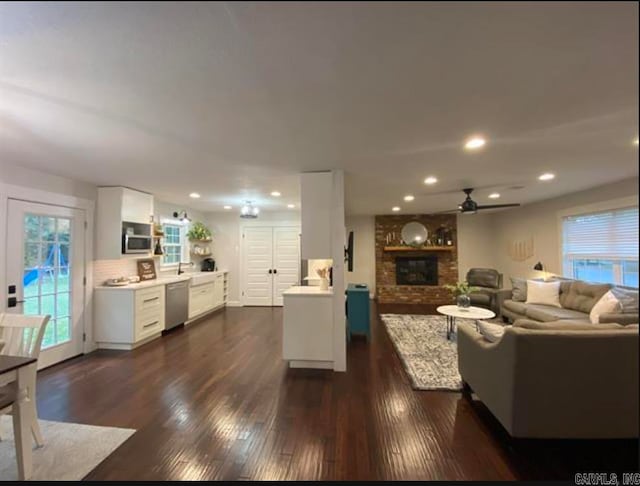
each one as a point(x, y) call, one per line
point(199, 232)
point(460, 292)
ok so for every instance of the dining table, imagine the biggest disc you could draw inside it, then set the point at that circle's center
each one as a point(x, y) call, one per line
point(15, 370)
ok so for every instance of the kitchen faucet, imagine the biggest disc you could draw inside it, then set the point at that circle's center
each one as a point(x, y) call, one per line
point(180, 270)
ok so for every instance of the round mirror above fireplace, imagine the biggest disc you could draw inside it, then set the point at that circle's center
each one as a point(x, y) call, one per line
point(414, 234)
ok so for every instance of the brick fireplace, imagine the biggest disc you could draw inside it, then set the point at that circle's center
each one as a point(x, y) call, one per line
point(416, 266)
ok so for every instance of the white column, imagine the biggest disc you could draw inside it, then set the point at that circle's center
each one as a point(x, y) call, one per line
point(338, 237)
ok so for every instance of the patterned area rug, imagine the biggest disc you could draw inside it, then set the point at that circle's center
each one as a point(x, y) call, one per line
point(430, 359)
point(69, 453)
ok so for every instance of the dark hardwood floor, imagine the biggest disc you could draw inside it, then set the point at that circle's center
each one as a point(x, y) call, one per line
point(215, 401)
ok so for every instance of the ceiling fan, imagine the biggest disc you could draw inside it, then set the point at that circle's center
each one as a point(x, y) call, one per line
point(469, 206)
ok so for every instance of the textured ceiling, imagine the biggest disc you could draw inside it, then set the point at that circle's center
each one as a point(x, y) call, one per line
point(234, 100)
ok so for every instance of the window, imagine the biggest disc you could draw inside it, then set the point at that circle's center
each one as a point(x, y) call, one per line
point(602, 247)
point(173, 242)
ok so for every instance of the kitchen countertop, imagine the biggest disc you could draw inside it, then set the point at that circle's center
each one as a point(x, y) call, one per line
point(160, 280)
point(310, 291)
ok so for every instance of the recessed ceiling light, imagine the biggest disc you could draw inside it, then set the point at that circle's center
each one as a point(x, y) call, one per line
point(194, 195)
point(276, 194)
point(494, 195)
point(547, 176)
point(430, 180)
point(395, 209)
point(475, 143)
point(227, 207)
point(635, 142)
point(291, 206)
point(409, 198)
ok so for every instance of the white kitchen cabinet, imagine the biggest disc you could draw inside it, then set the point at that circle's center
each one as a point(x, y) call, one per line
point(126, 318)
point(207, 293)
point(316, 193)
point(115, 206)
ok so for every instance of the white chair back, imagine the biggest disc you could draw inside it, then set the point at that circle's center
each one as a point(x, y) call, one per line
point(22, 335)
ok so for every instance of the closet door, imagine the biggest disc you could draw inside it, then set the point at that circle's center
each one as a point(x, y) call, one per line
point(258, 266)
point(286, 261)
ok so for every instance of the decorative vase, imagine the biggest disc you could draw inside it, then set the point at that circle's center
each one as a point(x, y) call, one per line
point(463, 301)
point(324, 284)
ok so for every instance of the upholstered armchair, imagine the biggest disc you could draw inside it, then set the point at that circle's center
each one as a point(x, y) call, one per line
point(488, 282)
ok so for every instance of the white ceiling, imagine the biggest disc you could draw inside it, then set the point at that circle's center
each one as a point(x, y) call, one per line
point(234, 100)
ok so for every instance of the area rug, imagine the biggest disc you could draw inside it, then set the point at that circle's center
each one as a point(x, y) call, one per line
point(431, 361)
point(71, 451)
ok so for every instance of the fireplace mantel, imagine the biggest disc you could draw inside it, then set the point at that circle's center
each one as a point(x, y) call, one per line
point(419, 249)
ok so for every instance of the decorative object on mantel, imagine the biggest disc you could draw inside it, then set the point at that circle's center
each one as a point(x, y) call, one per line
point(414, 234)
point(146, 269)
point(323, 273)
point(521, 250)
point(419, 248)
point(460, 292)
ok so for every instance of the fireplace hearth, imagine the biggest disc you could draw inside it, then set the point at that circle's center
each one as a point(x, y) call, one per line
point(417, 270)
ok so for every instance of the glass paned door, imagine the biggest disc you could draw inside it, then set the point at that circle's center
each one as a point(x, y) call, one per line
point(46, 271)
point(45, 262)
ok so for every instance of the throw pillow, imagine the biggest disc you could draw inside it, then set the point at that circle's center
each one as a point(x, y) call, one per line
point(490, 332)
point(607, 304)
point(518, 289)
point(546, 293)
point(628, 299)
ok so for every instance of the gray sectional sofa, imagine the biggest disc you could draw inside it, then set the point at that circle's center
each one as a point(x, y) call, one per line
point(577, 299)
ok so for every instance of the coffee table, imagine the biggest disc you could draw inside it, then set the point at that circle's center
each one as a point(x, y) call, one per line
point(453, 311)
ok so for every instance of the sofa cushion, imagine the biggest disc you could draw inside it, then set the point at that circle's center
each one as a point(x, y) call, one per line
point(582, 296)
point(490, 331)
point(547, 293)
point(547, 313)
point(628, 299)
point(484, 277)
point(565, 326)
point(513, 306)
point(518, 289)
point(606, 305)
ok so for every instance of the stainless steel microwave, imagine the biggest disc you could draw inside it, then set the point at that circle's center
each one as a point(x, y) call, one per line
point(136, 243)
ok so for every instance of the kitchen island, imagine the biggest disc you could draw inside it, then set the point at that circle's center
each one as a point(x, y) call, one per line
point(307, 340)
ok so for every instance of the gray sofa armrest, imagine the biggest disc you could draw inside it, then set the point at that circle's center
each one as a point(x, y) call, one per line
point(619, 318)
point(500, 297)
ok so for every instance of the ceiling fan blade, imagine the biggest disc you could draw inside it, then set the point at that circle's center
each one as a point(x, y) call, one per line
point(447, 212)
point(497, 206)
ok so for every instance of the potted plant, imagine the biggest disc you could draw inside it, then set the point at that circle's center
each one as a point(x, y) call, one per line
point(199, 232)
point(460, 292)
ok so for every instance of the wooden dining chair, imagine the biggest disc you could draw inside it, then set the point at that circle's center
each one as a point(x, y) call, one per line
point(22, 335)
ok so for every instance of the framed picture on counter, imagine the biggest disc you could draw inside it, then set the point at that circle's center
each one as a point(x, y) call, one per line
point(146, 269)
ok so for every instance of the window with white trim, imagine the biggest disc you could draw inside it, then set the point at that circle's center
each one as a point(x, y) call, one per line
point(173, 244)
point(602, 246)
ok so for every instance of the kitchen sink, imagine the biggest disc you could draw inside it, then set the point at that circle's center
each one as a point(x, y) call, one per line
point(199, 278)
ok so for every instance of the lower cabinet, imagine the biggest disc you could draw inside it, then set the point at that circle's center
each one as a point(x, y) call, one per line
point(126, 318)
point(208, 296)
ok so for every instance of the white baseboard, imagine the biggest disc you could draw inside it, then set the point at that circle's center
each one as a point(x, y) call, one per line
point(320, 365)
point(234, 303)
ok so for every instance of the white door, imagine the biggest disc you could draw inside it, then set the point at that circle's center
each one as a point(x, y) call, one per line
point(271, 262)
point(45, 262)
point(258, 266)
point(286, 261)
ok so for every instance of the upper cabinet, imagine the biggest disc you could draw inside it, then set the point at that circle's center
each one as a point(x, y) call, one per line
point(316, 190)
point(118, 205)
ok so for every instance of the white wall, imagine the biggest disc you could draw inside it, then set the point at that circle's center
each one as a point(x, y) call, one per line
point(35, 179)
point(476, 243)
point(226, 241)
point(364, 256)
point(541, 221)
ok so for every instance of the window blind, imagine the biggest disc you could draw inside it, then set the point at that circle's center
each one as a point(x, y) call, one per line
point(604, 235)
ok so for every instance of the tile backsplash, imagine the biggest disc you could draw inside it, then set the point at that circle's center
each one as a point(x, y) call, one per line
point(106, 269)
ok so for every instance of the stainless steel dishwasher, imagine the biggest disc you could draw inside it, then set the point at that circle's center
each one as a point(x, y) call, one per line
point(176, 304)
